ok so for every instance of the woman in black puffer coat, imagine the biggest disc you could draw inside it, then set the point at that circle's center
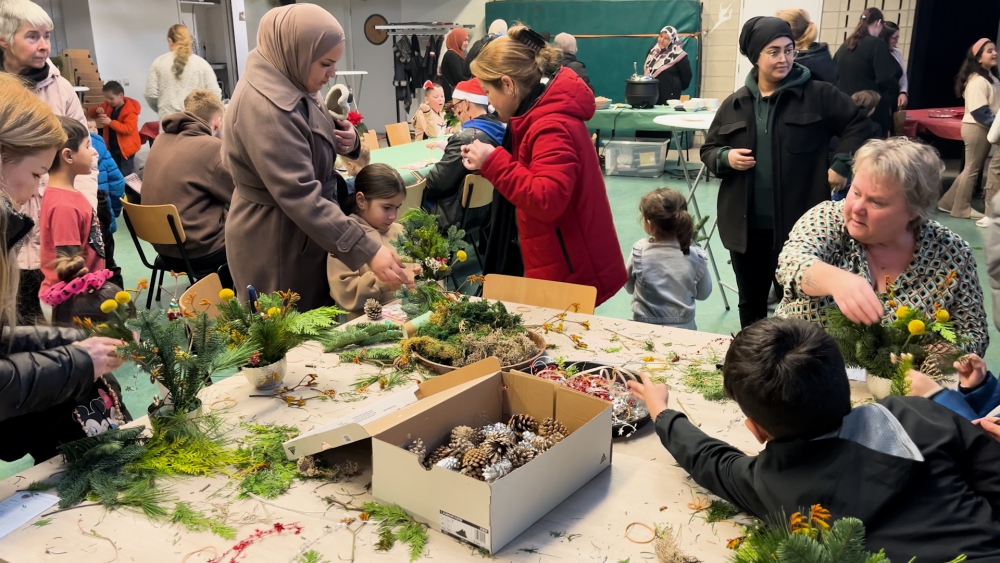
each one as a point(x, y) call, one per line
point(808, 52)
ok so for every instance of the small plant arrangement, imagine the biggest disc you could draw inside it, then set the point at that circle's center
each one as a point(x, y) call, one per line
point(271, 325)
point(181, 355)
point(928, 338)
point(422, 242)
point(358, 121)
point(806, 537)
point(462, 332)
point(451, 120)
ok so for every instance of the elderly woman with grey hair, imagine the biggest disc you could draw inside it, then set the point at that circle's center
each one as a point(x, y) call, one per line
point(567, 43)
point(849, 253)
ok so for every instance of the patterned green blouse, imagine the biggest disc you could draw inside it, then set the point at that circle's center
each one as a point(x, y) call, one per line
point(820, 235)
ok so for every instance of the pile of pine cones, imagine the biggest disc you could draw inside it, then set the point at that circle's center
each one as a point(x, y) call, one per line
point(490, 452)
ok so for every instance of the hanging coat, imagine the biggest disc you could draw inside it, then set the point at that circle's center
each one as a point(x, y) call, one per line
point(419, 70)
point(434, 45)
point(400, 78)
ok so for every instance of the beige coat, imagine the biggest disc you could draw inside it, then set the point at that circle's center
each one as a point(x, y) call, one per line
point(285, 220)
point(350, 288)
point(428, 124)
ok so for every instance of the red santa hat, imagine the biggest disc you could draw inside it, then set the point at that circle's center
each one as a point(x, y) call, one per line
point(472, 91)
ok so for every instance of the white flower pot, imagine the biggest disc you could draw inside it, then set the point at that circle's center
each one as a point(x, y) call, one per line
point(879, 387)
point(266, 377)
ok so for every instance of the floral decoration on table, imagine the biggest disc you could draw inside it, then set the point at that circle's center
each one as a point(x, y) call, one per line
point(492, 451)
point(929, 338)
point(423, 243)
point(358, 121)
point(272, 326)
point(119, 311)
point(462, 332)
point(451, 120)
point(805, 537)
point(628, 414)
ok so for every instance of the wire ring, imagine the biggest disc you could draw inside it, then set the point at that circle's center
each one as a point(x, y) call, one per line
point(629, 527)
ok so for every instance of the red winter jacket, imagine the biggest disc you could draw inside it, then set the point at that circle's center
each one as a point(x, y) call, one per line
point(126, 127)
point(554, 180)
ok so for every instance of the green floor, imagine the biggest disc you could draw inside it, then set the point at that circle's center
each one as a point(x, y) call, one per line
point(624, 194)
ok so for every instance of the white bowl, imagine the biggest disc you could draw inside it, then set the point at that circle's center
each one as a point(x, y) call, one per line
point(711, 103)
point(694, 104)
point(602, 102)
point(674, 103)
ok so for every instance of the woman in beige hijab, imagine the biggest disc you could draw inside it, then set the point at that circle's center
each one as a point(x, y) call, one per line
point(280, 145)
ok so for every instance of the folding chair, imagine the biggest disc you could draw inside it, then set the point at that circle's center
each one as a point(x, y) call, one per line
point(156, 224)
point(540, 293)
point(208, 288)
point(414, 197)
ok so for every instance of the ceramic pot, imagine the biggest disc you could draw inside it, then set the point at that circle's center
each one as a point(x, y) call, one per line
point(879, 387)
point(266, 377)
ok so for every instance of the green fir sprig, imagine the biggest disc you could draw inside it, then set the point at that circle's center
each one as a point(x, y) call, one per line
point(263, 468)
point(197, 521)
point(394, 524)
point(422, 242)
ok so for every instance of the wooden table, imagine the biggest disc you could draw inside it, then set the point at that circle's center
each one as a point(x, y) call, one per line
point(642, 485)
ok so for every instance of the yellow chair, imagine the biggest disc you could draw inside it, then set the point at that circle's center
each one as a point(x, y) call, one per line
point(370, 139)
point(157, 224)
point(208, 288)
point(540, 293)
point(398, 134)
point(414, 196)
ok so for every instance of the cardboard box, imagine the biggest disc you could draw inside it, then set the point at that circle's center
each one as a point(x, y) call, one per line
point(366, 422)
point(490, 515)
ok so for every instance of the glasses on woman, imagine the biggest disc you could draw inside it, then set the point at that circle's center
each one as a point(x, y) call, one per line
point(775, 54)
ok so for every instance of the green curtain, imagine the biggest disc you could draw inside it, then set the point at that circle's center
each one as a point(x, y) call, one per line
point(609, 60)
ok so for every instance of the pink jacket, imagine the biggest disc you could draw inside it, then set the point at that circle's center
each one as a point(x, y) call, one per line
point(58, 94)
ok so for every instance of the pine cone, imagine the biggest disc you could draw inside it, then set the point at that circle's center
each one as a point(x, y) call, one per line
point(450, 463)
point(542, 443)
point(461, 447)
point(521, 454)
point(501, 433)
point(439, 454)
point(497, 470)
point(474, 462)
point(523, 423)
point(551, 426)
point(473, 435)
point(497, 446)
point(418, 448)
point(373, 309)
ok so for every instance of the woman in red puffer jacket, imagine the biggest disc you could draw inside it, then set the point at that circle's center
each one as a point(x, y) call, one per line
point(546, 174)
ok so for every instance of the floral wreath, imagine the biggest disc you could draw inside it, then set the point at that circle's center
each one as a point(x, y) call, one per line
point(63, 291)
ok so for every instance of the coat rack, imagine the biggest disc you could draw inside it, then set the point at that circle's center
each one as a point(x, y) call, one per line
point(420, 29)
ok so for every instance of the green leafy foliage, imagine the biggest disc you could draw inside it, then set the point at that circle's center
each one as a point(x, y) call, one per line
point(384, 382)
point(263, 468)
point(872, 347)
point(182, 446)
point(901, 385)
point(708, 382)
point(806, 539)
point(719, 510)
point(312, 556)
point(423, 242)
point(38, 487)
point(274, 325)
point(197, 521)
point(181, 363)
point(378, 356)
point(360, 334)
point(394, 524)
point(422, 299)
point(42, 522)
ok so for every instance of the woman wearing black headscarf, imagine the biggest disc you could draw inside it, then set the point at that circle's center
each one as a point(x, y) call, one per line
point(769, 144)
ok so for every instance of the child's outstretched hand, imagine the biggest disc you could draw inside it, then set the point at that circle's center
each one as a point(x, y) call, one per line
point(971, 371)
point(654, 395)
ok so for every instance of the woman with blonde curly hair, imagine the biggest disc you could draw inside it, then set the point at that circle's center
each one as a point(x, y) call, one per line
point(46, 373)
point(176, 74)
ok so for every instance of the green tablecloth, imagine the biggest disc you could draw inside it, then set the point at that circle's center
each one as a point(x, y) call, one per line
point(628, 119)
point(407, 155)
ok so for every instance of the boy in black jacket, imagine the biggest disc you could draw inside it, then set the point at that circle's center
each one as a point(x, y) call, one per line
point(924, 481)
point(768, 145)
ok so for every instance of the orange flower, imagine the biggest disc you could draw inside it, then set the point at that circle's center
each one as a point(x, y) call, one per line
point(576, 307)
point(143, 283)
point(735, 543)
point(585, 325)
point(364, 516)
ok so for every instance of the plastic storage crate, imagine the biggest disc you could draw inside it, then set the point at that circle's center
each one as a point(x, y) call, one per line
point(635, 157)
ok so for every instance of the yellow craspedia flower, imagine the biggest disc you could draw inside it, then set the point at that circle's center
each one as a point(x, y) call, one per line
point(916, 327)
point(227, 294)
point(273, 312)
point(461, 255)
point(942, 316)
point(102, 326)
point(902, 311)
point(109, 306)
point(123, 297)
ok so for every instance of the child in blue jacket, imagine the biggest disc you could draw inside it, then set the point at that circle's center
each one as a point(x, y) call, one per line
point(978, 393)
point(110, 189)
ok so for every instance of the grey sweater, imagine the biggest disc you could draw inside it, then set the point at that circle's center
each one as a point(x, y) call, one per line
point(664, 283)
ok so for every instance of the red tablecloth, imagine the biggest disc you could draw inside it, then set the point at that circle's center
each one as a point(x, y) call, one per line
point(917, 121)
